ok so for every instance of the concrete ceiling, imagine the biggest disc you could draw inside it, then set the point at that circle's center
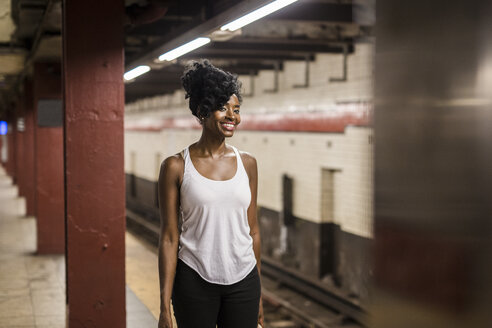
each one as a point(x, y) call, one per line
point(7, 26)
point(11, 61)
point(296, 32)
point(30, 30)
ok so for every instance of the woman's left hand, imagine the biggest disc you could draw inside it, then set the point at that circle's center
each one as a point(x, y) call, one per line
point(260, 313)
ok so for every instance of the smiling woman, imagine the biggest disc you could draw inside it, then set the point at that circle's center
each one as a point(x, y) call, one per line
point(210, 266)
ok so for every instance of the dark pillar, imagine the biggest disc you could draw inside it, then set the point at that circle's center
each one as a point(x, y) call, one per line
point(29, 176)
point(19, 146)
point(48, 159)
point(11, 157)
point(95, 198)
point(433, 155)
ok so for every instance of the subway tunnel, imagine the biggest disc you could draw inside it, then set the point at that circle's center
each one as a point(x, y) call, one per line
point(369, 121)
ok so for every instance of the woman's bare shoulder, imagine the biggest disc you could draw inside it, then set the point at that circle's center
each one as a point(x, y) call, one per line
point(172, 166)
point(248, 159)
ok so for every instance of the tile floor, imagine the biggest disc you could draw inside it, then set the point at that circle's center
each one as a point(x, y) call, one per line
point(32, 287)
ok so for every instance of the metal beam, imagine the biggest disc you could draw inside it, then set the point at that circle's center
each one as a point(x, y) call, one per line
point(264, 46)
point(247, 68)
point(278, 47)
point(158, 28)
point(315, 11)
point(158, 76)
point(177, 70)
point(149, 89)
point(180, 36)
point(242, 56)
point(292, 41)
point(169, 79)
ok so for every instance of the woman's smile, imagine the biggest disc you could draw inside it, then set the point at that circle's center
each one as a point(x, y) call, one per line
point(229, 126)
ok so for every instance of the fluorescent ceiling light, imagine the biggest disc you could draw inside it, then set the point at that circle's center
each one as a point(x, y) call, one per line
point(137, 71)
point(257, 14)
point(185, 48)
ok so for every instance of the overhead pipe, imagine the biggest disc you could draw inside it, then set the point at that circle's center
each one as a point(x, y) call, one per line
point(251, 84)
point(276, 66)
point(344, 76)
point(306, 74)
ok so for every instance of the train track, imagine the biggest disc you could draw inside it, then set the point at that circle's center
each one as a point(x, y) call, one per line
point(280, 313)
point(308, 303)
point(290, 300)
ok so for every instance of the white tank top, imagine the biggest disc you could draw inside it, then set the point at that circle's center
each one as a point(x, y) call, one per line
point(214, 239)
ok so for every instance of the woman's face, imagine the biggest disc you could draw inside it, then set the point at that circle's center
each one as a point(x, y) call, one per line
point(224, 120)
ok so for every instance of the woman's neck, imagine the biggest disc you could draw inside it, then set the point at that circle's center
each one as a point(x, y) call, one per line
point(211, 145)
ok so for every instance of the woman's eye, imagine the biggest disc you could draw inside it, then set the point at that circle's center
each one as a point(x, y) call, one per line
point(223, 109)
point(236, 111)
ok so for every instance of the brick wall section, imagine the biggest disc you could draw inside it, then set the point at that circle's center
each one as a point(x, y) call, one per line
point(301, 155)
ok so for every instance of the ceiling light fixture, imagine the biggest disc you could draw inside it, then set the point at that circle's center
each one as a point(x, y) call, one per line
point(183, 49)
point(257, 14)
point(137, 71)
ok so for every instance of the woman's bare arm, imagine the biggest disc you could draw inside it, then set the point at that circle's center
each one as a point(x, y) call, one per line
point(169, 181)
point(252, 170)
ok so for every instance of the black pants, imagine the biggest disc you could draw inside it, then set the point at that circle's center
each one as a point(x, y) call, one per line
point(200, 304)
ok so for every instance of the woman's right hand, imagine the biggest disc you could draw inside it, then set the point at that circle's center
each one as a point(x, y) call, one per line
point(165, 320)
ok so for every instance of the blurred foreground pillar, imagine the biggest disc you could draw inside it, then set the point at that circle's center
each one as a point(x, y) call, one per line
point(95, 197)
point(433, 164)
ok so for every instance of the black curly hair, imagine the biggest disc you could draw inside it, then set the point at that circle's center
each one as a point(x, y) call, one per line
point(208, 87)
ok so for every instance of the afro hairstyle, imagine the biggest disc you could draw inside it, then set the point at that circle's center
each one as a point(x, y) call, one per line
point(208, 87)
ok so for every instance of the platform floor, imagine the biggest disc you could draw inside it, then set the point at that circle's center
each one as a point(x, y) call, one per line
point(32, 287)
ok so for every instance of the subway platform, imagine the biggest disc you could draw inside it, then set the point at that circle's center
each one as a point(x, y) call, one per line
point(32, 287)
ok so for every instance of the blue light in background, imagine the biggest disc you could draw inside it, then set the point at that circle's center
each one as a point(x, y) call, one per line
point(3, 128)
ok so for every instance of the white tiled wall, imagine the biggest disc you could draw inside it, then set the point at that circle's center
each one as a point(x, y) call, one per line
point(300, 155)
point(321, 94)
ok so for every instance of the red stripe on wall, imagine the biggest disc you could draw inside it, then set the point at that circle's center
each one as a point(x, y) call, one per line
point(334, 121)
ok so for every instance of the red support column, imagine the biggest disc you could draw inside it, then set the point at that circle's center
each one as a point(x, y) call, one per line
point(3, 150)
point(29, 148)
point(19, 146)
point(95, 198)
point(8, 142)
point(48, 159)
point(11, 134)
